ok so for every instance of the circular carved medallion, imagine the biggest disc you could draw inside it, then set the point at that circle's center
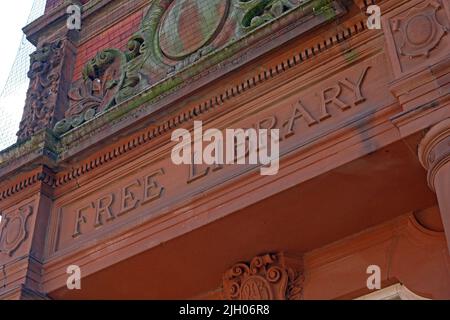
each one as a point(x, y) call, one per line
point(419, 30)
point(188, 25)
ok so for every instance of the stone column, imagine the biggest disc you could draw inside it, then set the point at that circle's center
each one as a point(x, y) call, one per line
point(434, 154)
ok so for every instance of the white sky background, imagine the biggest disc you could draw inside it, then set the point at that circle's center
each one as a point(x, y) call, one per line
point(13, 17)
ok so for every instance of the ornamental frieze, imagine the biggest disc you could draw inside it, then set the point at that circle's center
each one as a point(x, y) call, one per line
point(175, 35)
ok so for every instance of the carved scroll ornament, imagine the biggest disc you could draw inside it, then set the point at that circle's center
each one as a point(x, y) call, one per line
point(44, 74)
point(102, 79)
point(267, 277)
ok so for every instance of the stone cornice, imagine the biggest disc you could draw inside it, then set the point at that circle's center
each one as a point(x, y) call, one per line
point(40, 149)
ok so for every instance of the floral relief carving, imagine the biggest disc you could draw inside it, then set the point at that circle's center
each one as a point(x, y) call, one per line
point(420, 30)
point(174, 35)
point(259, 12)
point(44, 74)
point(14, 229)
point(102, 79)
point(267, 277)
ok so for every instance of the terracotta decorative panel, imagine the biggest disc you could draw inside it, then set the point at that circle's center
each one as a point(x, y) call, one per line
point(267, 277)
point(417, 34)
point(50, 73)
point(181, 40)
point(14, 229)
point(189, 25)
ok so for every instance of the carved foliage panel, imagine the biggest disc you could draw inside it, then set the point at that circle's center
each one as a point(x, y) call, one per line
point(174, 36)
point(418, 34)
point(46, 98)
point(266, 277)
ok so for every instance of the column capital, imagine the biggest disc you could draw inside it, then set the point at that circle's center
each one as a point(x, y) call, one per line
point(434, 150)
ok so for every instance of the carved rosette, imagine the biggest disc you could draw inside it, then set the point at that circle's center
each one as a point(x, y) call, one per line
point(420, 30)
point(14, 230)
point(434, 150)
point(45, 77)
point(267, 277)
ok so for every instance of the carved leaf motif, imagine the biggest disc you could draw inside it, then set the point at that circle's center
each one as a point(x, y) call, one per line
point(44, 74)
point(174, 35)
point(258, 12)
point(96, 92)
point(266, 277)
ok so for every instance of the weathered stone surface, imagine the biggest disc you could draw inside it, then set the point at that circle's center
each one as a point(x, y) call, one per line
point(174, 36)
point(45, 76)
point(351, 111)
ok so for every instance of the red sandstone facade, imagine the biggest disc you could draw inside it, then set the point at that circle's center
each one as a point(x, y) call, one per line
point(364, 180)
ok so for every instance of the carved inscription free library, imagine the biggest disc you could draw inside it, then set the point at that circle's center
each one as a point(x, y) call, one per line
point(149, 185)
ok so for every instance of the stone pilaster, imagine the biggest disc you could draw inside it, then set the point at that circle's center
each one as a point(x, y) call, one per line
point(23, 230)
